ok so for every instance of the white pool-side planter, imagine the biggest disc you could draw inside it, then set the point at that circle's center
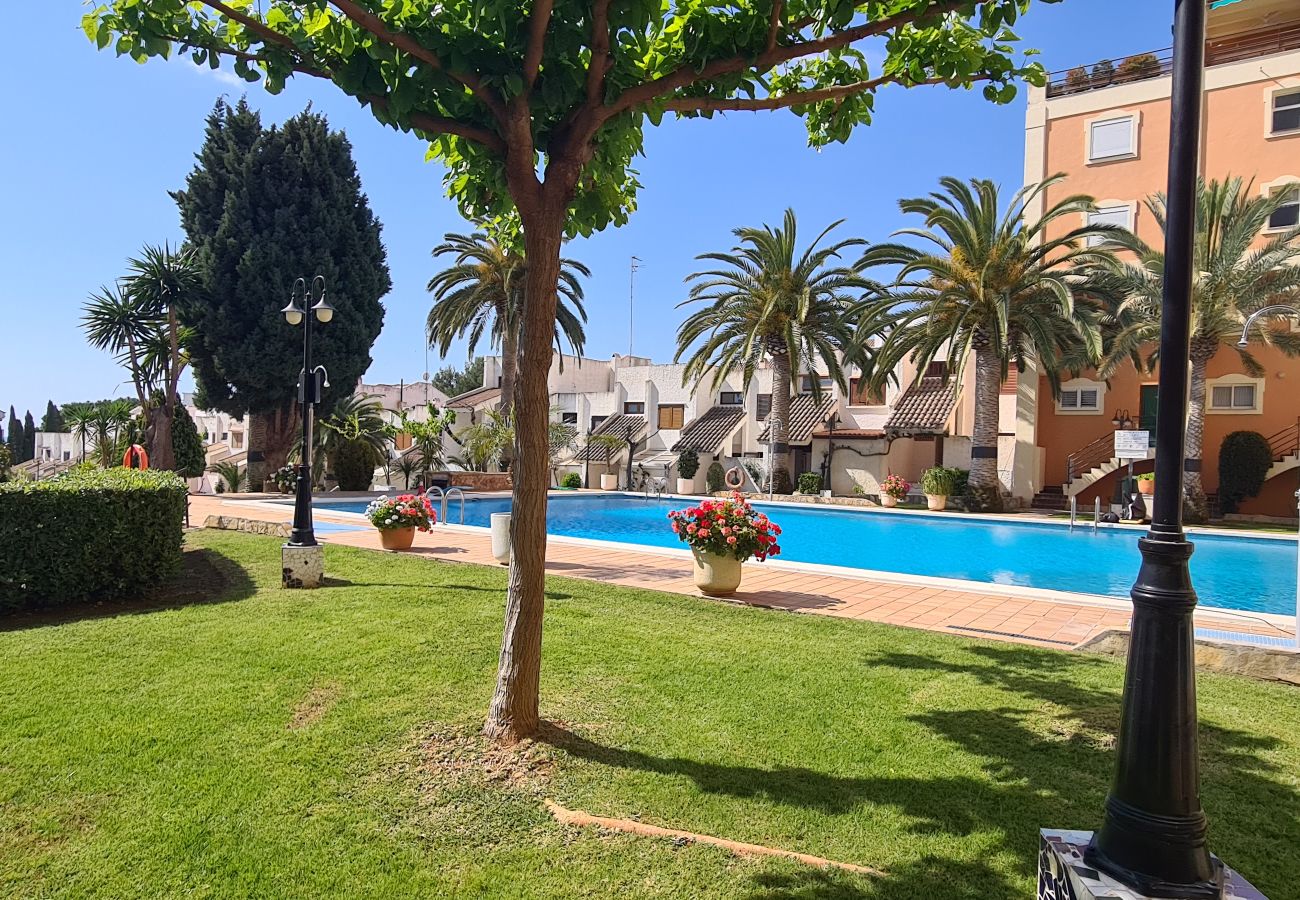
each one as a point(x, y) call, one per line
point(609, 482)
point(685, 485)
point(501, 537)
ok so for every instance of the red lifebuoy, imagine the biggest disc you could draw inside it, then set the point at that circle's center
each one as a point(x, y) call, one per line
point(135, 458)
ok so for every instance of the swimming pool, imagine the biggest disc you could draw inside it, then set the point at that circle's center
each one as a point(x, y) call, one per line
point(1230, 572)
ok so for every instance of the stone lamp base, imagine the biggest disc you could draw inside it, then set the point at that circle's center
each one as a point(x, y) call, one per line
point(1063, 875)
point(302, 567)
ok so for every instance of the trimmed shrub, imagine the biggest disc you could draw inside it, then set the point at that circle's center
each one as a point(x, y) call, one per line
point(572, 480)
point(1244, 461)
point(688, 463)
point(940, 481)
point(187, 446)
point(781, 483)
point(810, 483)
point(103, 534)
point(354, 466)
point(715, 478)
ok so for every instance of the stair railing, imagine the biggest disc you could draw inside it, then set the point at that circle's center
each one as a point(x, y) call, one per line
point(1089, 456)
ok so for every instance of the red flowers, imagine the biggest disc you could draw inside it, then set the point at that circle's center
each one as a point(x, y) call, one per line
point(403, 511)
point(728, 527)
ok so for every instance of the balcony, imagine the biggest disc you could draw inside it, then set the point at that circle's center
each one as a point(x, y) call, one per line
point(1157, 63)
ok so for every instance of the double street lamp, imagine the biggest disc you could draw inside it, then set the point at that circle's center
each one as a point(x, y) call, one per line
point(305, 305)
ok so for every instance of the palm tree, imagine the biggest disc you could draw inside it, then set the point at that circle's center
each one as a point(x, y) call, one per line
point(355, 439)
point(769, 300)
point(137, 320)
point(487, 442)
point(1234, 278)
point(231, 474)
point(993, 286)
point(482, 292)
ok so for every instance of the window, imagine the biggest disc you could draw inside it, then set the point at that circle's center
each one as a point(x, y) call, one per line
point(1109, 215)
point(596, 421)
point(634, 409)
point(860, 394)
point(732, 398)
point(1286, 112)
point(936, 369)
point(67, 455)
point(824, 381)
point(1233, 396)
point(1079, 399)
point(764, 408)
point(671, 416)
point(569, 418)
point(237, 439)
point(1288, 214)
point(1112, 138)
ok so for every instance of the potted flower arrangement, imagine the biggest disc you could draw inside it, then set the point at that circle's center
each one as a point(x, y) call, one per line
point(893, 489)
point(688, 463)
point(722, 534)
point(1147, 483)
point(938, 484)
point(397, 518)
point(285, 478)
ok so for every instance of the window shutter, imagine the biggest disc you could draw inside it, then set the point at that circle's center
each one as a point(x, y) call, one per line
point(1111, 138)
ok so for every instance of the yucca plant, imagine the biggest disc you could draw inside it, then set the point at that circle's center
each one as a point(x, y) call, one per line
point(232, 475)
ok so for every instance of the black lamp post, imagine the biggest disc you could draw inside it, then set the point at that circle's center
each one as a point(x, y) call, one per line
point(310, 382)
point(1153, 837)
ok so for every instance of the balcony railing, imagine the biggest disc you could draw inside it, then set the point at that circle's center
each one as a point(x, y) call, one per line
point(1154, 64)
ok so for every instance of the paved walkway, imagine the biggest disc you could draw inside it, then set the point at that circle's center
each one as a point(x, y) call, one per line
point(776, 585)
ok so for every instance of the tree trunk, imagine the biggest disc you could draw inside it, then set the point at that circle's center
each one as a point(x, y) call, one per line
point(160, 438)
point(986, 489)
point(509, 366)
point(270, 438)
point(514, 711)
point(1193, 443)
point(779, 419)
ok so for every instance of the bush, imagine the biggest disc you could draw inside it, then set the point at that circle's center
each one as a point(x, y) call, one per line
point(572, 480)
point(6, 460)
point(781, 483)
point(940, 481)
point(715, 478)
point(1103, 73)
point(354, 466)
point(810, 483)
point(688, 463)
point(187, 447)
point(104, 534)
point(1142, 65)
point(1244, 461)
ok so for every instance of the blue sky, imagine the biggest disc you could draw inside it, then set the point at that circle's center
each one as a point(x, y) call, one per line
point(93, 143)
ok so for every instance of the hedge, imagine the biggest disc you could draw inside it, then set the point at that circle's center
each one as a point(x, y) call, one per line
point(102, 533)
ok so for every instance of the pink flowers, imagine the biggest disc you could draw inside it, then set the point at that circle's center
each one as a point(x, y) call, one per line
point(402, 511)
point(730, 527)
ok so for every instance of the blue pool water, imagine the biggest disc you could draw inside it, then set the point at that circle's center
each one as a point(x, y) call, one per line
point(1230, 572)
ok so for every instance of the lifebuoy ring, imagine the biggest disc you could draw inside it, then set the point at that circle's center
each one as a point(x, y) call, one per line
point(135, 458)
point(740, 477)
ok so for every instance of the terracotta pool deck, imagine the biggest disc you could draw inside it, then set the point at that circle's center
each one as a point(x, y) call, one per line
point(972, 612)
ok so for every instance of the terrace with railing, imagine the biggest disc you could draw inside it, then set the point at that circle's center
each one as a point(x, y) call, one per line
point(1156, 63)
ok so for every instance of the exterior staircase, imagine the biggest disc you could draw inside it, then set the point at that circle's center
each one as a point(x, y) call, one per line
point(1091, 463)
point(1051, 497)
point(1286, 450)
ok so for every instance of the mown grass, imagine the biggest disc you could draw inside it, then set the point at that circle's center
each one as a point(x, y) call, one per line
point(289, 744)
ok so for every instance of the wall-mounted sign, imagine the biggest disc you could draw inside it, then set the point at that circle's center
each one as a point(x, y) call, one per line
point(1132, 444)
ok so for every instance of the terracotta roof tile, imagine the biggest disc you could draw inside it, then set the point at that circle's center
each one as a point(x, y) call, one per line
point(706, 433)
point(807, 414)
point(924, 407)
point(475, 398)
point(629, 428)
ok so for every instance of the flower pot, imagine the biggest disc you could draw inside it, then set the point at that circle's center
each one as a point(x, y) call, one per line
point(826, 495)
point(397, 538)
point(715, 575)
point(889, 501)
point(609, 482)
point(1146, 486)
point(501, 537)
point(685, 485)
point(936, 502)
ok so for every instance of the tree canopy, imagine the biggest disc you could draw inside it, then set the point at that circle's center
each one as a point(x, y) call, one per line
point(490, 86)
point(53, 419)
point(261, 208)
point(453, 381)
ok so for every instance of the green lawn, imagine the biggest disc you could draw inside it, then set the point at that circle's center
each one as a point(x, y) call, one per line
point(294, 744)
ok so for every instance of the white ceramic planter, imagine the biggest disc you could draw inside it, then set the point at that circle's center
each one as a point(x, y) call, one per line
point(826, 494)
point(609, 482)
point(888, 500)
point(715, 575)
point(685, 485)
point(936, 502)
point(501, 538)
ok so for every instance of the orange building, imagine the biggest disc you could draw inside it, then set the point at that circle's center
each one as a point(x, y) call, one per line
point(1106, 126)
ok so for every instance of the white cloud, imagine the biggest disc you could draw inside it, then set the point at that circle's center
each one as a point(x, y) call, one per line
point(225, 76)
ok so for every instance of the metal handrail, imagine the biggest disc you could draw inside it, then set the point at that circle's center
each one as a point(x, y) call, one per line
point(1089, 456)
point(1074, 509)
point(1096, 513)
point(1285, 442)
point(447, 495)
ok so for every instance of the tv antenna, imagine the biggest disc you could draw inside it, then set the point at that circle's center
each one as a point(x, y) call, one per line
point(631, 285)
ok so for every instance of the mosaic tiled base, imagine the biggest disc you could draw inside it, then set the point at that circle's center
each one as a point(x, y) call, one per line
point(1063, 875)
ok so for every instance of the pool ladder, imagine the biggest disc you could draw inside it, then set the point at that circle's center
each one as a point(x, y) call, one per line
point(1096, 512)
point(443, 497)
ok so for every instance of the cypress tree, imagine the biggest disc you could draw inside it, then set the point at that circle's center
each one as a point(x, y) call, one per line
point(263, 207)
point(29, 437)
point(15, 442)
point(53, 419)
point(187, 446)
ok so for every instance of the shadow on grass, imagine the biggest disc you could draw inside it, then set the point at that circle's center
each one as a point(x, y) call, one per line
point(1046, 754)
point(206, 576)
